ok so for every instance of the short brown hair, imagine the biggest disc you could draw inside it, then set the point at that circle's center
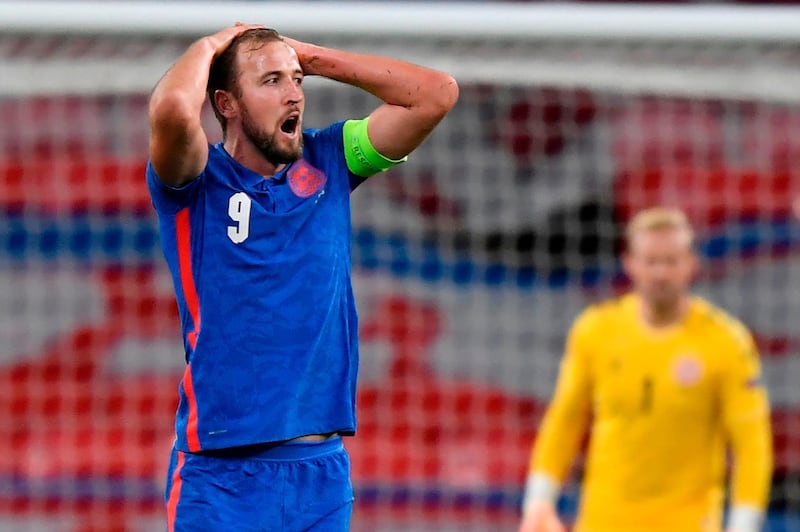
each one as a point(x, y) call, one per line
point(223, 73)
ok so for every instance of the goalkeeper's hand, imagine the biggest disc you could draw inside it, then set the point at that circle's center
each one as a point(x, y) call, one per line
point(540, 516)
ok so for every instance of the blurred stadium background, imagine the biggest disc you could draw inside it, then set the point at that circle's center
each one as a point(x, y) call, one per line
point(469, 261)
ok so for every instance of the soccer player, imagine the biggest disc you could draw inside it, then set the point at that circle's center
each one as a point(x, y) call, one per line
point(256, 233)
point(667, 383)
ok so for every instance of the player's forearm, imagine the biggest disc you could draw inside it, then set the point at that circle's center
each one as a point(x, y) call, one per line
point(557, 443)
point(751, 445)
point(752, 463)
point(394, 81)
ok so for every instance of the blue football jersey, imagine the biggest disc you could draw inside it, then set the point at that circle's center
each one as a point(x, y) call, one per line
point(261, 269)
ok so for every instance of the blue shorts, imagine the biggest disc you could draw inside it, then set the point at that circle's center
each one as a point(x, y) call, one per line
point(290, 487)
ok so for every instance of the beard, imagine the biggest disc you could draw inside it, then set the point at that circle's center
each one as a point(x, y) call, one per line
point(269, 145)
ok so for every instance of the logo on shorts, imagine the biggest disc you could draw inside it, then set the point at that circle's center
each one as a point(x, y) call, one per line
point(305, 180)
point(687, 370)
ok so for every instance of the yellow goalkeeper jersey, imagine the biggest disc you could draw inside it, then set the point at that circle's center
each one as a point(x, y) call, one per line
point(663, 406)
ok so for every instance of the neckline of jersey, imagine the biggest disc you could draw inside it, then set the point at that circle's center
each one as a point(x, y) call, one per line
point(251, 176)
point(660, 333)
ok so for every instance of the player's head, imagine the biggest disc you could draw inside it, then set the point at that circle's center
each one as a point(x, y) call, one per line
point(255, 90)
point(660, 260)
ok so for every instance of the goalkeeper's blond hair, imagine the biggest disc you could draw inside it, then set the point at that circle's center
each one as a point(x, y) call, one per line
point(659, 219)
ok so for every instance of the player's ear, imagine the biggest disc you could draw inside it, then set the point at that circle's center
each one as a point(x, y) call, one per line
point(226, 105)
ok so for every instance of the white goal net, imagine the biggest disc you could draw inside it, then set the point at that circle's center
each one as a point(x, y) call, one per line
point(470, 260)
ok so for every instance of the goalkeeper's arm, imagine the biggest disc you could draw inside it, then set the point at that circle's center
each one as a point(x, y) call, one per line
point(751, 446)
point(746, 416)
point(559, 436)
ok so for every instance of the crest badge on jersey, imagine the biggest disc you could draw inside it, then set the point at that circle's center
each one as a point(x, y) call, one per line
point(305, 180)
point(687, 370)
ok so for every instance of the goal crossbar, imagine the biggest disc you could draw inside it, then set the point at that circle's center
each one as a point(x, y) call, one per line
point(745, 52)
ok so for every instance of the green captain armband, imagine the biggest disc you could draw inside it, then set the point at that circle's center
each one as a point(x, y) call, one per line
point(361, 156)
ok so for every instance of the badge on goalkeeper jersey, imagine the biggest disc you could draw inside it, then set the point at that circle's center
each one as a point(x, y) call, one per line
point(688, 370)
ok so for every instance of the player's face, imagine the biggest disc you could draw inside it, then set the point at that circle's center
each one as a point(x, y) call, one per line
point(271, 103)
point(661, 265)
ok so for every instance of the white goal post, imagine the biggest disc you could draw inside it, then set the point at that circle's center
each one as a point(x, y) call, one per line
point(456, 20)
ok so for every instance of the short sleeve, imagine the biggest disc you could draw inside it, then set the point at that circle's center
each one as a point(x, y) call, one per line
point(167, 199)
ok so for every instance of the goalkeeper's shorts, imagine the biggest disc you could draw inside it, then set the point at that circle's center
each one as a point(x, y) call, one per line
point(291, 487)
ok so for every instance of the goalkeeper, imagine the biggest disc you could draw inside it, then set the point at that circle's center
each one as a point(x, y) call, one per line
point(667, 383)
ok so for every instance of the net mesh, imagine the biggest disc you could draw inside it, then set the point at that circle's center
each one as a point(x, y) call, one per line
point(470, 261)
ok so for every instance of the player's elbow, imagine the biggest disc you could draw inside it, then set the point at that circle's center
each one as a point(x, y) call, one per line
point(448, 92)
point(441, 94)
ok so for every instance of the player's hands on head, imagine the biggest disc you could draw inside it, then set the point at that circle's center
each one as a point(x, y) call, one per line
point(541, 516)
point(304, 51)
point(223, 38)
